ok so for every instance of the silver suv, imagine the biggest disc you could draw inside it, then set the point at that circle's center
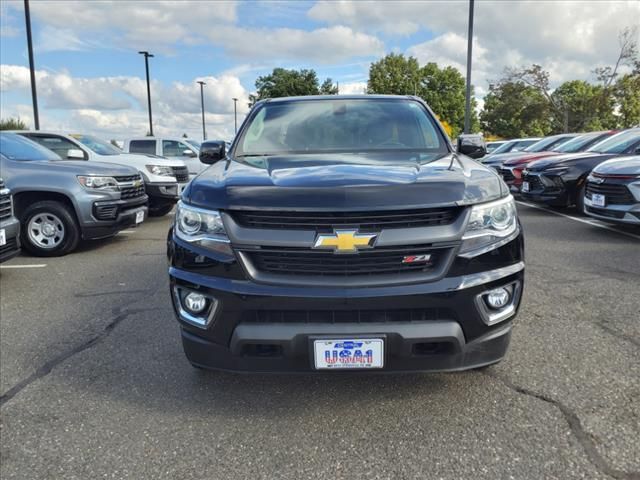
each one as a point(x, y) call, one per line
point(59, 202)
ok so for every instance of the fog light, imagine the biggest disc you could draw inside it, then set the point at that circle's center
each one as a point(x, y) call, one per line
point(498, 298)
point(195, 302)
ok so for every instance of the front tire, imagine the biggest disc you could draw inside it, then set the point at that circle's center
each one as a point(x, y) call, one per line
point(580, 199)
point(49, 229)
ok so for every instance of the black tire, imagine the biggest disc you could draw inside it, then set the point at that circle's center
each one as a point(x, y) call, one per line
point(160, 211)
point(66, 231)
point(580, 199)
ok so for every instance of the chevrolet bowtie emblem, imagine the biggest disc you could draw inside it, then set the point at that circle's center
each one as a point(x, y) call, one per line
point(345, 241)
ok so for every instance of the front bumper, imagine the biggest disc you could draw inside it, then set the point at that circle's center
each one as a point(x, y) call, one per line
point(431, 326)
point(629, 214)
point(549, 189)
point(124, 214)
point(163, 193)
point(11, 248)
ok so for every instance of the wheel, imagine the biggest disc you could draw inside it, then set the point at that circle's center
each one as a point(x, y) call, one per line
point(160, 211)
point(49, 229)
point(580, 200)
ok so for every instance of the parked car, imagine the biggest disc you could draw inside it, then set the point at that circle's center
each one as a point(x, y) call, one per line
point(491, 146)
point(613, 191)
point(164, 179)
point(173, 148)
point(59, 202)
point(9, 226)
point(515, 145)
point(560, 180)
point(358, 239)
point(511, 170)
point(543, 145)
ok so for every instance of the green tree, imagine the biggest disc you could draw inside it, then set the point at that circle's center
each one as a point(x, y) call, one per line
point(513, 109)
point(442, 88)
point(13, 124)
point(627, 97)
point(290, 83)
point(582, 107)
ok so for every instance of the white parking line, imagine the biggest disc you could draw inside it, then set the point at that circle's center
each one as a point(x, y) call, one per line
point(34, 265)
point(127, 231)
point(594, 223)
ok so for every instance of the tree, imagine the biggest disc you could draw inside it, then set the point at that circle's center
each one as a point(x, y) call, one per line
point(583, 107)
point(13, 124)
point(514, 109)
point(627, 97)
point(442, 88)
point(290, 83)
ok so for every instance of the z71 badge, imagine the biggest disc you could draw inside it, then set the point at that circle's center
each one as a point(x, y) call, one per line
point(424, 258)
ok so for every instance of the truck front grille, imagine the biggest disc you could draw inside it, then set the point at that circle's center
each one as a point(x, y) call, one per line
point(534, 182)
point(614, 194)
point(128, 190)
point(347, 316)
point(5, 205)
point(181, 174)
point(327, 221)
point(379, 261)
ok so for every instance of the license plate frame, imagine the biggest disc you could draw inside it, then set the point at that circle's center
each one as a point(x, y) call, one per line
point(525, 187)
point(323, 348)
point(139, 217)
point(598, 200)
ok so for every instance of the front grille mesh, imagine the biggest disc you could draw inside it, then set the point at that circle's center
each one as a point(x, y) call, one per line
point(534, 182)
point(327, 221)
point(378, 261)
point(614, 194)
point(347, 316)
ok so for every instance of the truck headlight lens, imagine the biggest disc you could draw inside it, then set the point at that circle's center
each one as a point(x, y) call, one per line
point(198, 225)
point(490, 226)
point(98, 183)
point(161, 170)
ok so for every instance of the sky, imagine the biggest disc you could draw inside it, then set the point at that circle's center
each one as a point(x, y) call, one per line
point(91, 79)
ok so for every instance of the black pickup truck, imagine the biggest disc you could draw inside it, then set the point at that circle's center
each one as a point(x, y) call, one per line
point(345, 233)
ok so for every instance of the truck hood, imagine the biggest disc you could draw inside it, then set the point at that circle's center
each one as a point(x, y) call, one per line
point(620, 166)
point(567, 160)
point(137, 158)
point(334, 182)
point(82, 167)
point(528, 157)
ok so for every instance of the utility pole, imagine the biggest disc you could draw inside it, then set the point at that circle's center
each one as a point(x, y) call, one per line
point(32, 68)
point(146, 66)
point(467, 104)
point(235, 114)
point(202, 84)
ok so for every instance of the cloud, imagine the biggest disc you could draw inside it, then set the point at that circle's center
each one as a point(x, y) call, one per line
point(115, 107)
point(353, 88)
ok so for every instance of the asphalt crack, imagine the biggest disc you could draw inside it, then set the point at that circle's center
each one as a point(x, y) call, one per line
point(575, 426)
point(46, 368)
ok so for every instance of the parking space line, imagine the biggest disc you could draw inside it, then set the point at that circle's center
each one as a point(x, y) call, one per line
point(593, 223)
point(127, 231)
point(34, 265)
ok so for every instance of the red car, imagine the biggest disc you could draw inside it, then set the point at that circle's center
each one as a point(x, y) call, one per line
point(511, 170)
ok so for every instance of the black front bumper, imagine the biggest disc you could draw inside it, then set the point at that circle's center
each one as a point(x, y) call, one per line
point(432, 326)
point(123, 215)
point(163, 193)
point(11, 248)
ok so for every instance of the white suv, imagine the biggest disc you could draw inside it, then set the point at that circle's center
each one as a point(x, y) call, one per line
point(184, 149)
point(164, 179)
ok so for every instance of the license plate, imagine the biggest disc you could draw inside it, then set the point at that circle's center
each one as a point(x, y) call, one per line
point(349, 353)
point(139, 217)
point(525, 186)
point(3, 237)
point(598, 200)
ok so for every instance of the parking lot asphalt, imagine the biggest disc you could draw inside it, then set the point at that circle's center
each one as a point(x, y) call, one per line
point(94, 384)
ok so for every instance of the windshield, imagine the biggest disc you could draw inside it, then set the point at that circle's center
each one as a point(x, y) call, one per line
point(194, 143)
point(341, 126)
point(15, 147)
point(578, 144)
point(618, 143)
point(505, 147)
point(96, 145)
point(548, 143)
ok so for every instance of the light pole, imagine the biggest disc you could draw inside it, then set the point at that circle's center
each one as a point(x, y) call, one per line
point(32, 69)
point(235, 115)
point(467, 102)
point(146, 66)
point(202, 84)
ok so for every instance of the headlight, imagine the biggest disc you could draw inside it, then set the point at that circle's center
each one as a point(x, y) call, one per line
point(200, 226)
point(161, 170)
point(98, 183)
point(490, 226)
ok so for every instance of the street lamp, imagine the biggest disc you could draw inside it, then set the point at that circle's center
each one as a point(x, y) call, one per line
point(146, 66)
point(235, 114)
point(202, 84)
point(467, 103)
point(32, 70)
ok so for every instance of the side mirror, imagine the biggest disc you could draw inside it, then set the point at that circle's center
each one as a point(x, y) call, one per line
point(472, 146)
point(212, 151)
point(75, 154)
point(189, 153)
